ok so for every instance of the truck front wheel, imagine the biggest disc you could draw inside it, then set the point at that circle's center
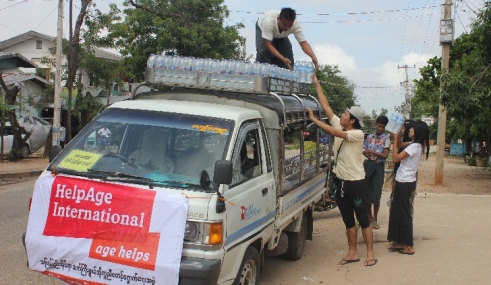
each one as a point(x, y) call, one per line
point(249, 269)
point(296, 242)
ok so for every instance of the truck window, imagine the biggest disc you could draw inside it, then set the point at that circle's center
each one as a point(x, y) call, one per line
point(168, 148)
point(266, 150)
point(247, 162)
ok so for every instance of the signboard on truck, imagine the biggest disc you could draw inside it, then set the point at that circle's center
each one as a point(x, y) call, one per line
point(91, 232)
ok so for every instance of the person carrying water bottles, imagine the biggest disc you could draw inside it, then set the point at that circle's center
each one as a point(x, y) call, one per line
point(272, 43)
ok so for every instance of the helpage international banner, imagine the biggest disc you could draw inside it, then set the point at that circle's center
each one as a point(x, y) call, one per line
point(89, 232)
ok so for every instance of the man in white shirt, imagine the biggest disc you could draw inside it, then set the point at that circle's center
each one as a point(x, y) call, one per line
point(272, 43)
point(104, 132)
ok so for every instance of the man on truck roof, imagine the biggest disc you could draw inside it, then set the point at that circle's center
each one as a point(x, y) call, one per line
point(272, 43)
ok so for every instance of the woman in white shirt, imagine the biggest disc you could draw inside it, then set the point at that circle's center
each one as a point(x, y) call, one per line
point(400, 219)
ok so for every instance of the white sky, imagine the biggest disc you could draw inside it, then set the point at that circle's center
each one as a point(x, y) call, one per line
point(369, 40)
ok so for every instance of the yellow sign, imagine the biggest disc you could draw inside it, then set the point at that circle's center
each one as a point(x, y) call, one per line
point(80, 160)
point(210, 128)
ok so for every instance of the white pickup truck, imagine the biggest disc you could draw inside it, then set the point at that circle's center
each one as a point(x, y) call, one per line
point(259, 201)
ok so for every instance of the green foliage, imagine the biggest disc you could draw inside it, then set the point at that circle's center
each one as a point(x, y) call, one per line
point(338, 89)
point(465, 87)
point(176, 27)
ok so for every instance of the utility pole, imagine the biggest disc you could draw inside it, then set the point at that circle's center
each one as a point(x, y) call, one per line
point(446, 39)
point(57, 103)
point(405, 84)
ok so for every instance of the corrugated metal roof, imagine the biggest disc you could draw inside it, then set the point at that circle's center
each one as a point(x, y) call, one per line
point(23, 61)
point(10, 77)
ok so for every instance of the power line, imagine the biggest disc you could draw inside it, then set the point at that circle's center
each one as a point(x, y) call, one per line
point(465, 2)
point(403, 34)
point(458, 17)
point(336, 22)
point(13, 5)
point(415, 39)
point(342, 14)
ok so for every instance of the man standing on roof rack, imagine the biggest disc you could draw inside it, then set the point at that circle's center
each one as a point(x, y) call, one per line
point(272, 43)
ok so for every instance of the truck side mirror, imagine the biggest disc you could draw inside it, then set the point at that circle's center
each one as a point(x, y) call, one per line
point(53, 152)
point(223, 172)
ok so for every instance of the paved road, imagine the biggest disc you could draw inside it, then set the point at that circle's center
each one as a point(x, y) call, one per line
point(451, 242)
point(14, 203)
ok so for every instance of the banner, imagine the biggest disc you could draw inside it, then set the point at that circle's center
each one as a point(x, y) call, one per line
point(89, 232)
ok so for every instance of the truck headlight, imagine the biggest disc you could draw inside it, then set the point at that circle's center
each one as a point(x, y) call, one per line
point(191, 232)
point(213, 233)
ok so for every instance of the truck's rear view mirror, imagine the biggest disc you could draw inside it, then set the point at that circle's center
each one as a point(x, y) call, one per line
point(223, 172)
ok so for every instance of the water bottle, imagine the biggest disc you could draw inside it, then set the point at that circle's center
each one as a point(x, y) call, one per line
point(263, 70)
point(302, 71)
point(151, 61)
point(256, 68)
point(272, 70)
point(215, 66)
point(310, 72)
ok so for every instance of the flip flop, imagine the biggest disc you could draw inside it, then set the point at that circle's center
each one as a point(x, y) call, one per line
point(369, 262)
point(408, 253)
point(394, 248)
point(345, 261)
point(375, 225)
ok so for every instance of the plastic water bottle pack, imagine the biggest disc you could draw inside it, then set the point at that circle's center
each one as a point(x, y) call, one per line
point(302, 71)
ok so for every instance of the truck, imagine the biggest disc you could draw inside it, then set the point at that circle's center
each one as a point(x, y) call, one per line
point(219, 140)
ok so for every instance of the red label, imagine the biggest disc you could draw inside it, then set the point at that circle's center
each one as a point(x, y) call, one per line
point(140, 252)
point(83, 209)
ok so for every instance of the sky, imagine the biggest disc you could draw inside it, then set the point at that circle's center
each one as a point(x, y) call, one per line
point(370, 41)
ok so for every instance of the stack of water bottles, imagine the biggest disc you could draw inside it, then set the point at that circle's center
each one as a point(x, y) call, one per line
point(184, 69)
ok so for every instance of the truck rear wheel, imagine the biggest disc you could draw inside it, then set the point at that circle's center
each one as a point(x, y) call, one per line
point(249, 268)
point(296, 242)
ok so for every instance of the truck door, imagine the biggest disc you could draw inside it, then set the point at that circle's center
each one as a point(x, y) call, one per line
point(252, 189)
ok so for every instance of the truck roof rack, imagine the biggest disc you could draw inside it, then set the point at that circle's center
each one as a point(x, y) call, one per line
point(288, 98)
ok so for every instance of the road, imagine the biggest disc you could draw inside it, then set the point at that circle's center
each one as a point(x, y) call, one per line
point(14, 204)
point(451, 242)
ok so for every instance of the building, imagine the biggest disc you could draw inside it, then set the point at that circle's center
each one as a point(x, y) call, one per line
point(32, 87)
point(34, 47)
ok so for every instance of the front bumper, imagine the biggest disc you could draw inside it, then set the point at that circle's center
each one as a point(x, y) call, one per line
point(198, 271)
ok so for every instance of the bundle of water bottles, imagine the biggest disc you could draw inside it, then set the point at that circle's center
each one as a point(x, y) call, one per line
point(302, 71)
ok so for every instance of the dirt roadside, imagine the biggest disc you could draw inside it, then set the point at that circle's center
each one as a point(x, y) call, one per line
point(451, 237)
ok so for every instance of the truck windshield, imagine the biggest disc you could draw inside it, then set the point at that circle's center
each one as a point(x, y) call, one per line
point(160, 147)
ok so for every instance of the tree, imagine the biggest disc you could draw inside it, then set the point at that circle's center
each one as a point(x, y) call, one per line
point(466, 95)
point(10, 99)
point(74, 61)
point(174, 27)
point(338, 89)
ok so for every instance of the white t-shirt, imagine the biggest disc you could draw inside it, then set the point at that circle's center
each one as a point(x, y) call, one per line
point(349, 165)
point(409, 165)
point(104, 132)
point(269, 26)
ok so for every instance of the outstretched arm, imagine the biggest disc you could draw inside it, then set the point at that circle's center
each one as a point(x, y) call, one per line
point(325, 127)
point(307, 49)
point(322, 98)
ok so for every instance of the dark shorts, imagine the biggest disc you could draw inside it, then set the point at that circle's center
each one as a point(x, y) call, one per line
point(375, 181)
point(351, 200)
point(283, 45)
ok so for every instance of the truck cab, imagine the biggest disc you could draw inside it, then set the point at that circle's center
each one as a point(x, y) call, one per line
point(222, 148)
